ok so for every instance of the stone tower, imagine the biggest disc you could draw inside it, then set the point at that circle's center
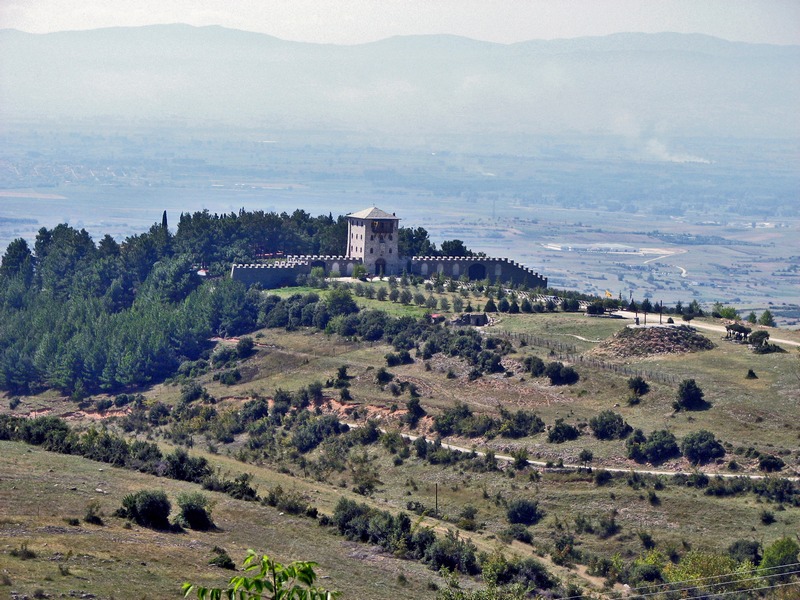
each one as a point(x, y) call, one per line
point(372, 237)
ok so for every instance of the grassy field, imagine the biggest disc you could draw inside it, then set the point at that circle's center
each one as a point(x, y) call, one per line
point(36, 487)
point(39, 490)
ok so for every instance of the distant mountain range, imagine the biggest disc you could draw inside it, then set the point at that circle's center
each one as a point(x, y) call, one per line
point(634, 85)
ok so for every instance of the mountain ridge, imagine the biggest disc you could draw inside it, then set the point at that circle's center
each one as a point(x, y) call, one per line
point(672, 83)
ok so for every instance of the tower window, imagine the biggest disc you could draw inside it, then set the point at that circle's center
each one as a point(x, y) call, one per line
point(371, 250)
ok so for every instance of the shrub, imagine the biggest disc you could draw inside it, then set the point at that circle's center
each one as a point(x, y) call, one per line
point(770, 463)
point(222, 559)
point(638, 385)
point(562, 432)
point(244, 347)
point(103, 404)
point(534, 365)
point(768, 349)
point(519, 424)
point(659, 446)
point(382, 376)
point(609, 425)
point(23, 552)
point(751, 374)
point(195, 511)
point(690, 396)
point(148, 508)
point(518, 532)
point(779, 558)
point(645, 572)
point(93, 514)
point(453, 553)
point(602, 477)
point(291, 502)
point(759, 338)
point(400, 358)
point(231, 377)
point(223, 356)
point(191, 391)
point(648, 543)
point(701, 447)
point(742, 550)
point(523, 511)
point(415, 412)
point(561, 375)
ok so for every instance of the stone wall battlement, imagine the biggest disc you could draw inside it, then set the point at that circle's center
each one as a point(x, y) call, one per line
point(383, 259)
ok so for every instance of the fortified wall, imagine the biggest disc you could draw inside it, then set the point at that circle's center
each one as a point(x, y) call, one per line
point(373, 242)
point(477, 268)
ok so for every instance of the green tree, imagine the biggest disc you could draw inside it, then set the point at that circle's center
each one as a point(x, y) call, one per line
point(759, 338)
point(766, 319)
point(524, 511)
point(609, 425)
point(195, 511)
point(706, 565)
point(17, 260)
point(638, 385)
point(340, 302)
point(359, 272)
point(751, 318)
point(690, 396)
point(454, 248)
point(777, 556)
point(267, 579)
point(149, 508)
point(701, 446)
point(414, 242)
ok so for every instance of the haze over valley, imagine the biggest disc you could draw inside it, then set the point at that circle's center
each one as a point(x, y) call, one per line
point(454, 319)
point(542, 151)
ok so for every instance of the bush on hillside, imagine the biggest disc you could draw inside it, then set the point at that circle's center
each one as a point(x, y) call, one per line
point(195, 511)
point(701, 447)
point(609, 425)
point(524, 512)
point(148, 508)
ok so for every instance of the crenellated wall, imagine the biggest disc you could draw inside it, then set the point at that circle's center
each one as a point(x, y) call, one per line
point(477, 268)
point(285, 272)
point(372, 237)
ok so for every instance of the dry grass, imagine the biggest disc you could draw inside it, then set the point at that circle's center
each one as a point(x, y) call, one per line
point(37, 493)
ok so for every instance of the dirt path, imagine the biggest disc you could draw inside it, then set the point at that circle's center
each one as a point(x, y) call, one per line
point(574, 467)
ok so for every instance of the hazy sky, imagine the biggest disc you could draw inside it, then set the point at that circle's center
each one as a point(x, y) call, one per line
point(355, 21)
